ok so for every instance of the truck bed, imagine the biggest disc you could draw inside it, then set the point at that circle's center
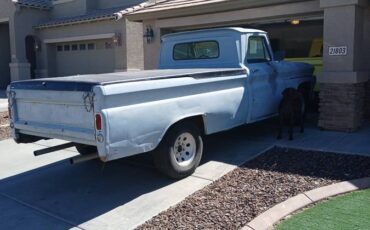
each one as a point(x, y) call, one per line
point(61, 107)
point(86, 82)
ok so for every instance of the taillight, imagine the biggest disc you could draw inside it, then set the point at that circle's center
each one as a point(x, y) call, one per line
point(98, 122)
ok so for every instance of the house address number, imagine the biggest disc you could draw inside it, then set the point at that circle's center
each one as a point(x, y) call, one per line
point(338, 50)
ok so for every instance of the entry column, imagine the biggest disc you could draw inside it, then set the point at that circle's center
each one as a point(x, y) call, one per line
point(342, 83)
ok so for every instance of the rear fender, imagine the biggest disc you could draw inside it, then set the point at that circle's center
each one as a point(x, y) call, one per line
point(199, 119)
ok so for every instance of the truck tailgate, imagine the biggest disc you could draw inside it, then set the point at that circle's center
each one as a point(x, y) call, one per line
point(66, 115)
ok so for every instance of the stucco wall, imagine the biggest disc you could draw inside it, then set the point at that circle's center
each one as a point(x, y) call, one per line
point(24, 21)
point(135, 46)
point(7, 9)
point(46, 58)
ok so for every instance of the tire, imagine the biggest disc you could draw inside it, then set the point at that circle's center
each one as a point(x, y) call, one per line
point(85, 149)
point(180, 151)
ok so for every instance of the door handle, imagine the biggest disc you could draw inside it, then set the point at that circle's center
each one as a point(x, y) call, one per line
point(255, 70)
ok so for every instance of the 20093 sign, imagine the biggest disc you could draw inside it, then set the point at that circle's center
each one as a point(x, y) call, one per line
point(338, 51)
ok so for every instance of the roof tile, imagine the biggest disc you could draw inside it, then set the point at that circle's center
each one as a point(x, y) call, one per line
point(40, 4)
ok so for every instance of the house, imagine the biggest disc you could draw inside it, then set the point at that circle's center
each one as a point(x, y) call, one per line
point(49, 38)
point(338, 30)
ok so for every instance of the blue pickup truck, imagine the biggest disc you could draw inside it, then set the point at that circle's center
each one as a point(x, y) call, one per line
point(208, 81)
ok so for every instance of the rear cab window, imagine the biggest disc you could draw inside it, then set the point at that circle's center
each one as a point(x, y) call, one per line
point(196, 50)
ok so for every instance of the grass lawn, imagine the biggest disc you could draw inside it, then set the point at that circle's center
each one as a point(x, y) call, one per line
point(350, 212)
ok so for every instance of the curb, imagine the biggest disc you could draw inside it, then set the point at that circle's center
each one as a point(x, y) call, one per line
point(268, 219)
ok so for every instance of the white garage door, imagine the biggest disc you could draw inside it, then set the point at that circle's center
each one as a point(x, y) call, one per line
point(85, 57)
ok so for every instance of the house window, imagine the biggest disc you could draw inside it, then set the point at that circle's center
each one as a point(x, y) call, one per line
point(196, 50)
point(91, 46)
point(59, 48)
point(82, 46)
point(67, 48)
point(74, 47)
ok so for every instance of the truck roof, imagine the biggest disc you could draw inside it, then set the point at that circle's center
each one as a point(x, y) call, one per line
point(215, 30)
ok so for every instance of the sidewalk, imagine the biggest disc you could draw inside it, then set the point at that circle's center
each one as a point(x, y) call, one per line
point(46, 191)
point(3, 101)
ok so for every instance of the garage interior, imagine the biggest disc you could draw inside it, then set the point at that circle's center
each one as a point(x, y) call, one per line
point(4, 55)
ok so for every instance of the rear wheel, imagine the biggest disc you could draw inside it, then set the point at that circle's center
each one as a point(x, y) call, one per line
point(180, 151)
point(86, 149)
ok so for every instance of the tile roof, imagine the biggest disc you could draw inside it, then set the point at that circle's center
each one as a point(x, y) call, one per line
point(177, 8)
point(96, 15)
point(39, 4)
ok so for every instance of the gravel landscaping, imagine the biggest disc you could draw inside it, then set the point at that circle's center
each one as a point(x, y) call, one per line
point(241, 195)
point(4, 129)
point(4, 119)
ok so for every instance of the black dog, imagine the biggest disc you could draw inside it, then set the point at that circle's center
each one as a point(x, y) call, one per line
point(291, 111)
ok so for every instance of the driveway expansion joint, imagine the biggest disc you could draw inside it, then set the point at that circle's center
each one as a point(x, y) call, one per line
point(203, 178)
point(267, 220)
point(308, 197)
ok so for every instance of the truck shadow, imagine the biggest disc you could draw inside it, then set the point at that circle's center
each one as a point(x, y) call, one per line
point(83, 192)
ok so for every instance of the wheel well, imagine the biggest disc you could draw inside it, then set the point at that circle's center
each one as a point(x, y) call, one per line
point(305, 86)
point(197, 120)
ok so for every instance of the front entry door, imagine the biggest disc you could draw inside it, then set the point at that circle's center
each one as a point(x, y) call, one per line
point(31, 54)
point(262, 78)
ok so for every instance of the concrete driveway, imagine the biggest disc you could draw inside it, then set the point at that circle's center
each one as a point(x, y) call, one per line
point(47, 193)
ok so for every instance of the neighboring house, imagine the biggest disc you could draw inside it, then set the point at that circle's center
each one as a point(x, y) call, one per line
point(293, 25)
point(48, 38)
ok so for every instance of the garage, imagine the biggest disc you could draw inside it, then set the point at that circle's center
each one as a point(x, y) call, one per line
point(84, 57)
point(339, 55)
point(4, 55)
point(297, 38)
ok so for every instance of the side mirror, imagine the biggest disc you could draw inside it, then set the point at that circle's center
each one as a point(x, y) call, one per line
point(279, 55)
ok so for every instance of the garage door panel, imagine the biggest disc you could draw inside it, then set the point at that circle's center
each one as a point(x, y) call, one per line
point(88, 61)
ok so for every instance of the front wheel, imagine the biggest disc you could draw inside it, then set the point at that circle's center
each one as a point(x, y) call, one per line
point(180, 151)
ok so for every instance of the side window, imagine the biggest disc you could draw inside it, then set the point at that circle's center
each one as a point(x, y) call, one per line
point(196, 50)
point(257, 50)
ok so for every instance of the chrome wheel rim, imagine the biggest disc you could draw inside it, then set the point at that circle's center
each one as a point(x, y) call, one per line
point(184, 149)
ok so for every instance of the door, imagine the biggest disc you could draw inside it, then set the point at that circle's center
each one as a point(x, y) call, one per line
point(31, 54)
point(85, 57)
point(262, 79)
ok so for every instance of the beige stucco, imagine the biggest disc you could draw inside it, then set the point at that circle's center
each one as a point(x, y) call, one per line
point(87, 32)
point(346, 24)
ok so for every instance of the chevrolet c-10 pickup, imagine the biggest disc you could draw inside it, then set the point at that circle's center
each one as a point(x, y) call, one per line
point(208, 81)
